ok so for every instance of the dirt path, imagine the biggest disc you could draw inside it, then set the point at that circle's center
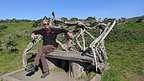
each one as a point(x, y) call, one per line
point(54, 76)
point(2, 74)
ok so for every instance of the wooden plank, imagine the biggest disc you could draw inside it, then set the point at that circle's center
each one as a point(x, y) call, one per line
point(70, 55)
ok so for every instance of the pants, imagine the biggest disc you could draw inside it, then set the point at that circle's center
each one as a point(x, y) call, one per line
point(41, 56)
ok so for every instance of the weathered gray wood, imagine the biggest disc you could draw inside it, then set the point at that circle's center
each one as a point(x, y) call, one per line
point(77, 69)
point(77, 41)
point(83, 40)
point(28, 48)
point(96, 78)
point(51, 65)
point(62, 45)
point(70, 55)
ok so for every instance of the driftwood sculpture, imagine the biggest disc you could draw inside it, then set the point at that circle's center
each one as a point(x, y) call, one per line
point(94, 53)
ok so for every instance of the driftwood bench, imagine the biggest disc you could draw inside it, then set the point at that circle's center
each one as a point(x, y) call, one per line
point(94, 54)
point(74, 61)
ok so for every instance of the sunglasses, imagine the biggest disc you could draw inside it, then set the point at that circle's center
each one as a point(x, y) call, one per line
point(46, 24)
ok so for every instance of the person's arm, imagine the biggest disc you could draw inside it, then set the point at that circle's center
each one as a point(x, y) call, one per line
point(66, 32)
point(34, 34)
point(70, 37)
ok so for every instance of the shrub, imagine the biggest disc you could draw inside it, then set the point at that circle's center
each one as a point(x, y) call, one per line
point(8, 44)
point(36, 24)
point(3, 27)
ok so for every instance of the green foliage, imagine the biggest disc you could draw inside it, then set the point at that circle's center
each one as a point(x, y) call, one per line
point(8, 43)
point(91, 18)
point(125, 46)
point(92, 24)
point(74, 19)
point(36, 24)
point(126, 60)
point(87, 76)
point(3, 27)
point(122, 20)
point(20, 33)
point(10, 62)
point(64, 19)
point(135, 19)
point(57, 69)
point(106, 20)
point(130, 32)
point(139, 20)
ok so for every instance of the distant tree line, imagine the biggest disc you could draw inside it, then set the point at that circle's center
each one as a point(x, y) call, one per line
point(36, 23)
point(15, 20)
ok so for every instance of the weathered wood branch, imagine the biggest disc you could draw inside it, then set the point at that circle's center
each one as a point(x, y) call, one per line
point(28, 48)
point(62, 45)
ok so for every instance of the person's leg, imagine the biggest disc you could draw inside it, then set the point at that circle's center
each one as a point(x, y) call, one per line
point(34, 66)
point(45, 66)
point(48, 49)
point(38, 56)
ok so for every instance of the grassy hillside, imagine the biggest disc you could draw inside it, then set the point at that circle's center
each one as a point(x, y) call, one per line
point(19, 31)
point(124, 45)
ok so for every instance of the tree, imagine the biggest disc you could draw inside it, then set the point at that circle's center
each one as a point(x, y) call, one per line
point(106, 20)
point(35, 24)
point(74, 19)
point(139, 20)
point(122, 20)
point(91, 18)
point(14, 20)
point(64, 19)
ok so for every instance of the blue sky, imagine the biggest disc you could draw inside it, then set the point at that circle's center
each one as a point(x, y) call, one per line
point(36, 9)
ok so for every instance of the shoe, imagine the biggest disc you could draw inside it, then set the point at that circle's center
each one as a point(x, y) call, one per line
point(32, 67)
point(30, 73)
point(45, 74)
point(31, 70)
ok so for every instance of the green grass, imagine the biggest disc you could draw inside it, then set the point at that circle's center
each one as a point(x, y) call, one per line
point(86, 76)
point(125, 47)
point(57, 69)
point(125, 59)
point(13, 61)
point(10, 62)
point(17, 27)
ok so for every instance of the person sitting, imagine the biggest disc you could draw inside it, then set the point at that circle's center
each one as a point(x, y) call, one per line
point(49, 35)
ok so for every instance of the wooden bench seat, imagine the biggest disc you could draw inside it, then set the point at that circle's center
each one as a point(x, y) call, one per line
point(70, 55)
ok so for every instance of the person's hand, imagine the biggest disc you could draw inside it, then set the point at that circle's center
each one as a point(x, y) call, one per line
point(33, 41)
point(70, 35)
point(33, 36)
